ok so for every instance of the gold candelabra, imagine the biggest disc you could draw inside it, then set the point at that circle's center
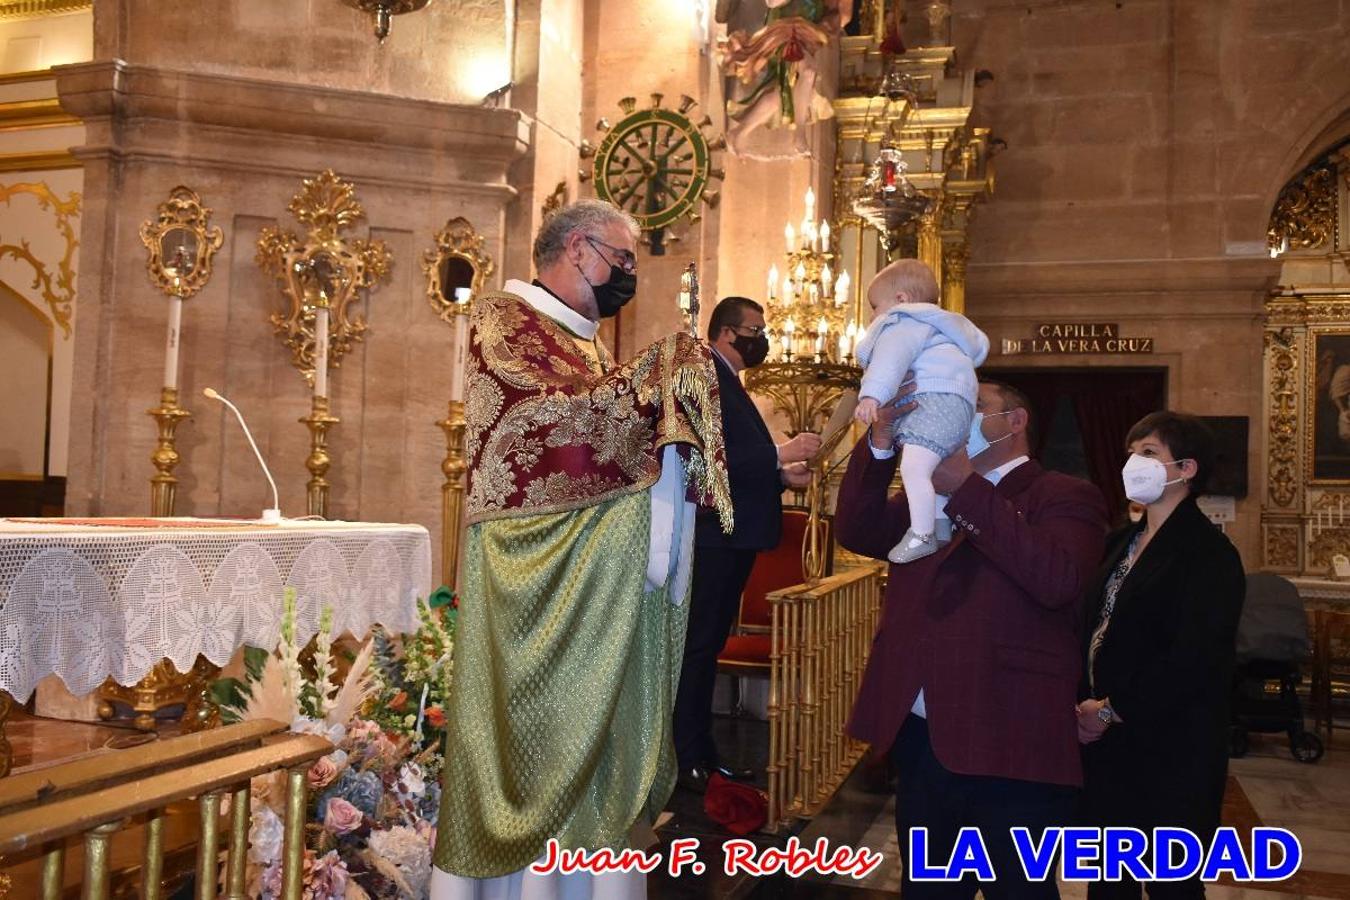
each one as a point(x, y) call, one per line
point(319, 421)
point(811, 313)
point(452, 492)
point(164, 484)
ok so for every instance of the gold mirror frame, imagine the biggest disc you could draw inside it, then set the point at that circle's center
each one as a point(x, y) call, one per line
point(326, 205)
point(181, 276)
point(457, 240)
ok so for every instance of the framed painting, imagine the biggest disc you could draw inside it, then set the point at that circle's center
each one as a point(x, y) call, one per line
point(1329, 407)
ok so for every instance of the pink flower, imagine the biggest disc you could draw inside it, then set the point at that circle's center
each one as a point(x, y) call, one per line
point(322, 773)
point(340, 817)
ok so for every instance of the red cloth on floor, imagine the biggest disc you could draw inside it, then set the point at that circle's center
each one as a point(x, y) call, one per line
point(739, 808)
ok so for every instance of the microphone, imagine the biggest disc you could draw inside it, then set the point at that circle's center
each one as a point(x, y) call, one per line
point(270, 516)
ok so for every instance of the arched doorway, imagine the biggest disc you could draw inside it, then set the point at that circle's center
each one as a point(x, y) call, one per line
point(26, 351)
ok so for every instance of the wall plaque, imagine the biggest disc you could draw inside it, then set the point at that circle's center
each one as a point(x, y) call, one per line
point(1076, 337)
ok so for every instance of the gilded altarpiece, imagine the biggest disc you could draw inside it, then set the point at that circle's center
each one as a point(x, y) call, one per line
point(1305, 515)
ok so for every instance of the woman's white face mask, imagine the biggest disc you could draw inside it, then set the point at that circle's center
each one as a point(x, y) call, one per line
point(1145, 478)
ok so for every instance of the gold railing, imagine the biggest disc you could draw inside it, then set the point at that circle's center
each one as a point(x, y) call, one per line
point(820, 636)
point(41, 811)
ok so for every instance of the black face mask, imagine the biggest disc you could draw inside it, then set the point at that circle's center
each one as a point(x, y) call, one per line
point(611, 296)
point(753, 349)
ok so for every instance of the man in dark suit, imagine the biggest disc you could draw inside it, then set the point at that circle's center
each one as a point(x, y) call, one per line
point(759, 469)
point(973, 672)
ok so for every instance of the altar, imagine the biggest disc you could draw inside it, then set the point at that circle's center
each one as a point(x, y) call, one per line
point(93, 600)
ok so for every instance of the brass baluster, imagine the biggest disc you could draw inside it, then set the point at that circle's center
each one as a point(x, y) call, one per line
point(774, 769)
point(208, 846)
point(96, 858)
point(53, 872)
point(153, 868)
point(293, 847)
point(238, 864)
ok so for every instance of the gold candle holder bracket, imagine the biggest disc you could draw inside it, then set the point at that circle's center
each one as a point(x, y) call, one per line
point(164, 484)
point(318, 462)
point(452, 492)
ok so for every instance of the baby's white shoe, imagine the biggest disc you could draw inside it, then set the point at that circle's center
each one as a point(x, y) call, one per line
point(913, 546)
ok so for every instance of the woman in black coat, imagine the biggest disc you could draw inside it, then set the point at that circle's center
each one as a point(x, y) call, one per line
point(1162, 619)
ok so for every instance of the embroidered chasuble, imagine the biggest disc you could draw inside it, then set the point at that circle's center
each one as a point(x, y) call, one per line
point(574, 588)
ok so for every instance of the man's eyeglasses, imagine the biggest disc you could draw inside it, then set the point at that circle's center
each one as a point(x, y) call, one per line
point(753, 330)
point(627, 261)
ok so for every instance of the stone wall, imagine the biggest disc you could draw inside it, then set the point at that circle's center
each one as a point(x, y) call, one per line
point(245, 146)
point(1147, 141)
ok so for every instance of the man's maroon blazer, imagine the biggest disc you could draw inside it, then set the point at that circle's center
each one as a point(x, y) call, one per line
point(988, 626)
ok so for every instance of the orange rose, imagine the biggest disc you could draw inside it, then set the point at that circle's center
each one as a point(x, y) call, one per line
point(399, 699)
point(436, 717)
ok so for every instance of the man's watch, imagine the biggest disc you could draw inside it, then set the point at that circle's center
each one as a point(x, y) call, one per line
point(1106, 715)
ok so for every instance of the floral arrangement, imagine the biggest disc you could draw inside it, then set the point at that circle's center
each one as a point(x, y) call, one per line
point(373, 801)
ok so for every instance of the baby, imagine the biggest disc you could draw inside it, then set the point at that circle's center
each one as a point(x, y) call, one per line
point(911, 333)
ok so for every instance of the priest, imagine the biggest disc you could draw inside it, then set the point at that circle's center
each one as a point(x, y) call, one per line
point(575, 579)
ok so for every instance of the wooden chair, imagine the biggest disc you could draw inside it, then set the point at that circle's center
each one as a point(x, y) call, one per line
point(1331, 664)
point(746, 651)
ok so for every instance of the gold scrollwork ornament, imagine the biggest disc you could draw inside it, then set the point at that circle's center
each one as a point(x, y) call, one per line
point(1305, 212)
point(181, 244)
point(1282, 546)
point(458, 261)
point(1282, 463)
point(57, 292)
point(324, 269)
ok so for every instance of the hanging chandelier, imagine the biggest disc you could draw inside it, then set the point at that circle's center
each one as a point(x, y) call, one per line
point(809, 315)
point(887, 199)
point(384, 12)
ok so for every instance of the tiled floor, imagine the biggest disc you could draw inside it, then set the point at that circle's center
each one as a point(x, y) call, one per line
point(1267, 787)
point(39, 742)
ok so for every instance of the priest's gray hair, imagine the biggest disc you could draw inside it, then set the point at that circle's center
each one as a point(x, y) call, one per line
point(586, 216)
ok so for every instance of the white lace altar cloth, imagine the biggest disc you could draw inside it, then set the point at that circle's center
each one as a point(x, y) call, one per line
point(91, 601)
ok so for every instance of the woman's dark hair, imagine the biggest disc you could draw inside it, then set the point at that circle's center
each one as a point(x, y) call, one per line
point(1186, 437)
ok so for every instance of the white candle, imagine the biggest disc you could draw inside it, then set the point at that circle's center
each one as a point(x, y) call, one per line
point(321, 351)
point(806, 233)
point(791, 237)
point(826, 279)
point(825, 236)
point(800, 272)
point(810, 203)
point(171, 346)
point(773, 280)
point(843, 347)
point(841, 285)
point(459, 354)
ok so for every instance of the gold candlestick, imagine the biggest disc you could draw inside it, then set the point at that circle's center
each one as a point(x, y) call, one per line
point(452, 492)
point(164, 486)
point(318, 463)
